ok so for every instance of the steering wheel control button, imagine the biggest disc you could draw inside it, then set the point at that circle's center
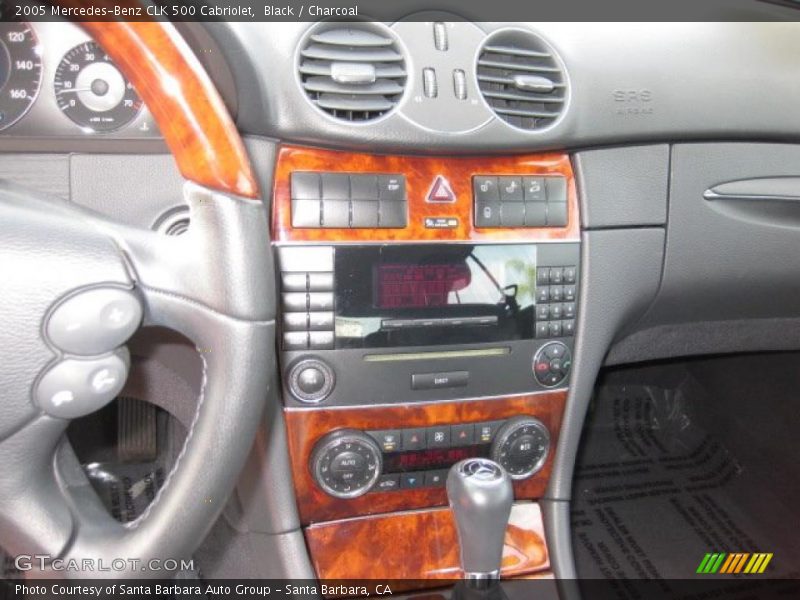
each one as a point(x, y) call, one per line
point(552, 363)
point(73, 387)
point(347, 464)
point(521, 446)
point(311, 380)
point(94, 321)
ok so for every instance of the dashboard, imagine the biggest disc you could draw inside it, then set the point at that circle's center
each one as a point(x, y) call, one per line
point(467, 221)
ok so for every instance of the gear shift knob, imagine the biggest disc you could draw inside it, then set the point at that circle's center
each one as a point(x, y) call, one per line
point(480, 494)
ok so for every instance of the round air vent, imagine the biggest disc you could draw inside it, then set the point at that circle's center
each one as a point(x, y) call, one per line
point(522, 80)
point(352, 71)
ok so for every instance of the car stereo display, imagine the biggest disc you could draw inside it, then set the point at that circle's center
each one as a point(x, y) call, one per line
point(422, 295)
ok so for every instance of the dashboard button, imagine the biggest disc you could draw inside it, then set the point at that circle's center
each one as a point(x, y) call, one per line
point(414, 439)
point(320, 301)
point(556, 190)
point(392, 214)
point(294, 282)
point(533, 189)
point(570, 274)
point(535, 214)
point(462, 435)
point(335, 214)
point(410, 481)
point(438, 437)
point(294, 301)
point(555, 329)
point(295, 340)
point(542, 276)
point(320, 340)
point(542, 330)
point(430, 381)
point(556, 293)
point(556, 275)
point(335, 186)
point(305, 186)
point(364, 187)
point(320, 321)
point(295, 321)
point(568, 328)
point(512, 214)
point(436, 478)
point(485, 432)
point(364, 213)
point(487, 213)
point(320, 282)
point(310, 381)
point(306, 213)
point(542, 293)
point(484, 189)
point(510, 189)
point(388, 483)
point(556, 215)
point(569, 292)
point(555, 311)
point(392, 188)
point(542, 312)
point(388, 439)
point(568, 310)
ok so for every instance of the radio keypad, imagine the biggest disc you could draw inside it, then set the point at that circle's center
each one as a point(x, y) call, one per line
point(556, 293)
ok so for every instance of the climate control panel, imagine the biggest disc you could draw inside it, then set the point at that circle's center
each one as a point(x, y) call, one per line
point(348, 463)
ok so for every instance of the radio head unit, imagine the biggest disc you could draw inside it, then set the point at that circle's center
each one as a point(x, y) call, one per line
point(369, 323)
point(423, 295)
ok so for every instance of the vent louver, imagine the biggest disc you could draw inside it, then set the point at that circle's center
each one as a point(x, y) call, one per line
point(522, 80)
point(354, 71)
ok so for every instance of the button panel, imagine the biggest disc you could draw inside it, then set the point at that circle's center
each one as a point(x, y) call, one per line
point(307, 301)
point(556, 301)
point(348, 201)
point(520, 201)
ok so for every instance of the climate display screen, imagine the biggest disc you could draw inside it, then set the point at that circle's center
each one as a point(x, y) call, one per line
point(418, 286)
point(427, 460)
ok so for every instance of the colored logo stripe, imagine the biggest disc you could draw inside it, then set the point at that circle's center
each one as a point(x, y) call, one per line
point(736, 562)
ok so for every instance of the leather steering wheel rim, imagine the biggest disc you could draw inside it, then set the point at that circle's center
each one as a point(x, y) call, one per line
point(211, 284)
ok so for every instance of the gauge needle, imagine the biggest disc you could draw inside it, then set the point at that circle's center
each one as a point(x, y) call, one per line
point(65, 90)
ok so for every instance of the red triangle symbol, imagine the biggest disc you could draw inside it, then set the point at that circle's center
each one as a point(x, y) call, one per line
point(441, 191)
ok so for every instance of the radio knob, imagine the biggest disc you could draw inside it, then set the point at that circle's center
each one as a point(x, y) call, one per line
point(311, 380)
point(521, 446)
point(346, 463)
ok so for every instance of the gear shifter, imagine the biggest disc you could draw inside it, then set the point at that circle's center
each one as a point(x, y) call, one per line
point(480, 494)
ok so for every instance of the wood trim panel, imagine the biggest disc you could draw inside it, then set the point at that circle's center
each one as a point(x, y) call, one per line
point(306, 426)
point(421, 545)
point(184, 102)
point(420, 172)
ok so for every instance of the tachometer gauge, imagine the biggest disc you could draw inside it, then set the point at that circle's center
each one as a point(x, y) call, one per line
point(20, 71)
point(92, 92)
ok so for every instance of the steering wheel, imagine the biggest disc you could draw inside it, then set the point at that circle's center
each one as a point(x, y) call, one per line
point(75, 286)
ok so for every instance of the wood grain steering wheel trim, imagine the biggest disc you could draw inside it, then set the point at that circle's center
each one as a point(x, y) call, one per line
point(185, 104)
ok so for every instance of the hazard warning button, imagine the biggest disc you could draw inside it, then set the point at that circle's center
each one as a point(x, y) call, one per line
point(441, 191)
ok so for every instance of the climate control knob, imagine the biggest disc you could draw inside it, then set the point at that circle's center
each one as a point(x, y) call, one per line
point(346, 463)
point(521, 446)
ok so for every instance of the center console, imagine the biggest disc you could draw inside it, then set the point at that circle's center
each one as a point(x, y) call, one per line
point(427, 315)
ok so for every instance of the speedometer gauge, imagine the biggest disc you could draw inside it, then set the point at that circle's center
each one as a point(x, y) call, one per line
point(20, 71)
point(92, 92)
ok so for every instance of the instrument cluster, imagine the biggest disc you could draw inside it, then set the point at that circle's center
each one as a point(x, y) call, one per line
point(55, 81)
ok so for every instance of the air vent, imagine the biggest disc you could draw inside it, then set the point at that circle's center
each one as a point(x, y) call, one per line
point(522, 80)
point(354, 72)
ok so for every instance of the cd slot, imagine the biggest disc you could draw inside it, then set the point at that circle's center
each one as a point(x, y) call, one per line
point(438, 322)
